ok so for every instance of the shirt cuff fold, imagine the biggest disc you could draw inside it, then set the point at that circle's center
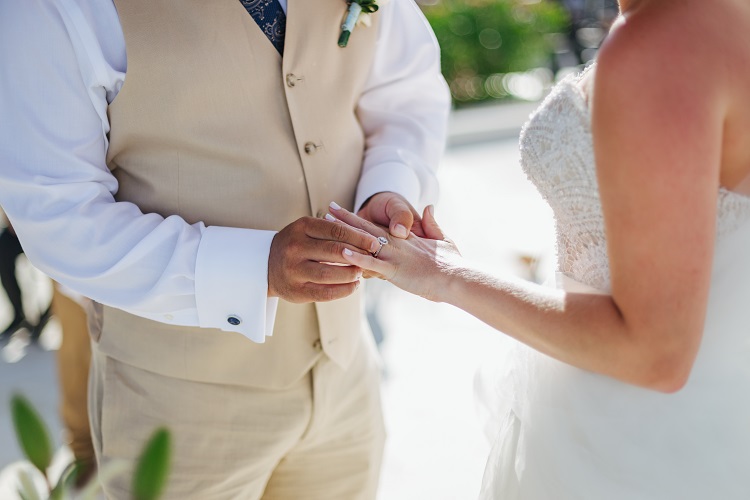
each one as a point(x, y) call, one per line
point(388, 177)
point(231, 282)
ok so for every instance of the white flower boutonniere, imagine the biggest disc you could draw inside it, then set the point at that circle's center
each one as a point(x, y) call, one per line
point(358, 13)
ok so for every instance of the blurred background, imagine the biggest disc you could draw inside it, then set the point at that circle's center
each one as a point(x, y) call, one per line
point(500, 50)
point(500, 58)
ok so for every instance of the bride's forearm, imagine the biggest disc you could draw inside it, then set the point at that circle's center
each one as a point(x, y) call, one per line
point(584, 330)
point(646, 334)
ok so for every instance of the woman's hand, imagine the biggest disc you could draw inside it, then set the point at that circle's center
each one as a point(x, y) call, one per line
point(423, 266)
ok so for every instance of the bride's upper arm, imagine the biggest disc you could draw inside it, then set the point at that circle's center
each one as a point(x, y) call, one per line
point(657, 126)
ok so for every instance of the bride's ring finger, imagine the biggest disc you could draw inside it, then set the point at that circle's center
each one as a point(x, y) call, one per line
point(383, 241)
point(377, 268)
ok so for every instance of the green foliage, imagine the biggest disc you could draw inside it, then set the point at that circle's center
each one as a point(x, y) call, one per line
point(149, 479)
point(153, 467)
point(32, 433)
point(482, 38)
point(368, 6)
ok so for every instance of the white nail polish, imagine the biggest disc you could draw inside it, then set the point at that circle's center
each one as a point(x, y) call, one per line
point(330, 217)
point(348, 252)
point(335, 206)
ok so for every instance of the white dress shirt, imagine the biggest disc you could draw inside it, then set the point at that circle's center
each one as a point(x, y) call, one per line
point(63, 61)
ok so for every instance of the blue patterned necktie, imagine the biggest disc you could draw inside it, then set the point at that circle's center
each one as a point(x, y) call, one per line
point(271, 18)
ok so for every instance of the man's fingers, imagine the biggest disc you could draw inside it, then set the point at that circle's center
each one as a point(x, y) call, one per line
point(430, 225)
point(369, 274)
point(328, 274)
point(417, 229)
point(327, 293)
point(328, 251)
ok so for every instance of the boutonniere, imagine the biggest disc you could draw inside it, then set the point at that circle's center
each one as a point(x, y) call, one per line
point(358, 13)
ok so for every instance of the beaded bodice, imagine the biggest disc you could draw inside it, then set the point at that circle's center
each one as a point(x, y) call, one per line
point(557, 154)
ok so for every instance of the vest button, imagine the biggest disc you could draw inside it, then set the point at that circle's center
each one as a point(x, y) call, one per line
point(292, 79)
point(234, 320)
point(317, 345)
point(310, 148)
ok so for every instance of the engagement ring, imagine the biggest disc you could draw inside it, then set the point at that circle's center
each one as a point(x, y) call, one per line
point(383, 242)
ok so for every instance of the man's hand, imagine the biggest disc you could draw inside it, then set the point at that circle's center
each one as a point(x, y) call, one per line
point(302, 265)
point(391, 210)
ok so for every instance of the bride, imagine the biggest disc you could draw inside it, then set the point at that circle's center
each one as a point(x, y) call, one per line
point(636, 380)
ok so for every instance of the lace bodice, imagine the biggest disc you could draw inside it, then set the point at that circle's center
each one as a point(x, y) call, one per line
point(557, 155)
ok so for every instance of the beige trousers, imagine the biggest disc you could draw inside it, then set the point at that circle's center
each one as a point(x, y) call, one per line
point(321, 439)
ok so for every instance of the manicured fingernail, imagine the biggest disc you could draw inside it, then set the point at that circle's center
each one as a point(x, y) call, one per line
point(348, 252)
point(330, 218)
point(359, 275)
point(335, 206)
point(400, 231)
point(431, 209)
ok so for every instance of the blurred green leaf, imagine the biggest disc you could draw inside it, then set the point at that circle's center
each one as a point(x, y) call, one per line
point(153, 467)
point(31, 432)
point(482, 38)
point(57, 492)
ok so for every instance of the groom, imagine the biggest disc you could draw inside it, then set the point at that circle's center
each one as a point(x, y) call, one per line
point(177, 180)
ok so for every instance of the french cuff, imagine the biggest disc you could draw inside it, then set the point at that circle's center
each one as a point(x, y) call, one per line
point(231, 282)
point(388, 177)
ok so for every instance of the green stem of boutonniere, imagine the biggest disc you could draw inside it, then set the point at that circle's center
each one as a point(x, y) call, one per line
point(356, 8)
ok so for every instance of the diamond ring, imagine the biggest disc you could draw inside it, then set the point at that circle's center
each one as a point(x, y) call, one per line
point(383, 241)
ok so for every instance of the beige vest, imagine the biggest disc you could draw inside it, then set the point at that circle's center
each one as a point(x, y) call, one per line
point(212, 125)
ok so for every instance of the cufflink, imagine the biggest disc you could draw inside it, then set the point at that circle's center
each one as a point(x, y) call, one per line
point(234, 320)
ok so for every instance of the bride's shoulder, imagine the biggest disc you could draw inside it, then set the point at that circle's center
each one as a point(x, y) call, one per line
point(663, 46)
point(665, 39)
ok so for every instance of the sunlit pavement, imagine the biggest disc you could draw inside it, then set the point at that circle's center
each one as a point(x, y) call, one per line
point(435, 449)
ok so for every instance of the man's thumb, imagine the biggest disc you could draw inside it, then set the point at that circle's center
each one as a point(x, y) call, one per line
point(401, 219)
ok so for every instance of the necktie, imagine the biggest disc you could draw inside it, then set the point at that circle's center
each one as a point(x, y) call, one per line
point(271, 18)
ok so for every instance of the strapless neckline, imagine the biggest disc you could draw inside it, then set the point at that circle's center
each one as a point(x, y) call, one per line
point(557, 155)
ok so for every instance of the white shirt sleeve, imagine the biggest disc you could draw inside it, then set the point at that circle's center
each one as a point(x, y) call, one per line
point(62, 62)
point(404, 109)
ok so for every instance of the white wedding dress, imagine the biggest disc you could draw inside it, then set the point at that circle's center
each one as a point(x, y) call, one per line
point(568, 434)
